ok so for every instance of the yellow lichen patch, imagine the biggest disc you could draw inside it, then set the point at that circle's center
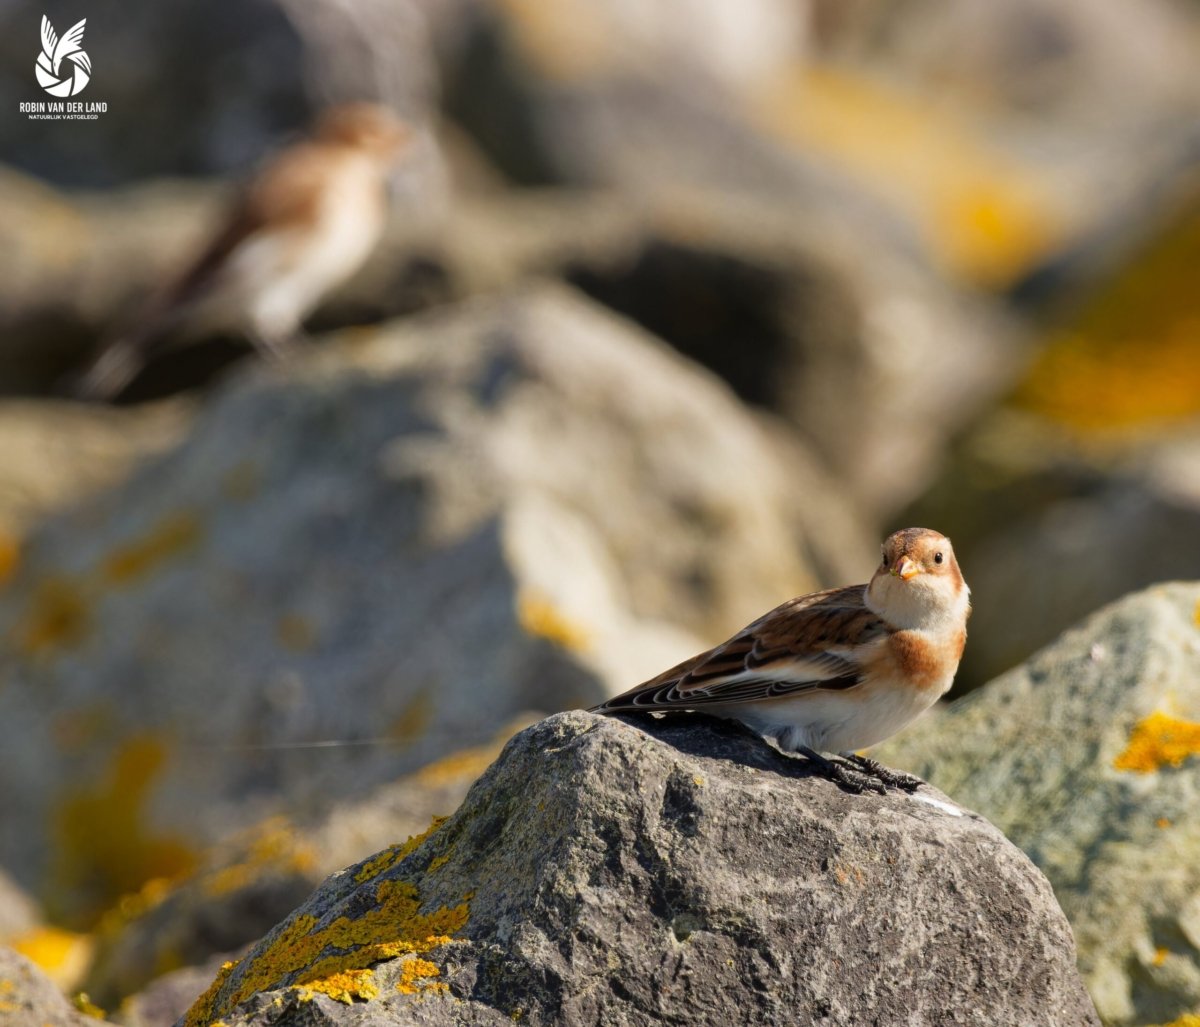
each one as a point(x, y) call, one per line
point(295, 633)
point(1160, 956)
point(394, 927)
point(414, 718)
point(987, 216)
point(345, 986)
point(1128, 357)
point(540, 617)
point(62, 955)
point(242, 482)
point(104, 847)
point(10, 556)
point(1162, 822)
point(173, 536)
point(86, 1006)
point(272, 846)
point(200, 1015)
point(58, 617)
point(458, 766)
point(417, 976)
point(1159, 740)
point(81, 726)
point(392, 855)
point(1196, 614)
point(1187, 1020)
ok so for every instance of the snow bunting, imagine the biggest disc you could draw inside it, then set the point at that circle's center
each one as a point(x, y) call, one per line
point(302, 226)
point(838, 670)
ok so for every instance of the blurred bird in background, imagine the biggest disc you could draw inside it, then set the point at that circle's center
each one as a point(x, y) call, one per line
point(302, 226)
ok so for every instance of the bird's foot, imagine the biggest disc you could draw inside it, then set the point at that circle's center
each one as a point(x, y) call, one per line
point(890, 778)
point(853, 780)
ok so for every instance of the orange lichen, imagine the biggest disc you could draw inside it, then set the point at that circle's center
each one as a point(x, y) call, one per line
point(392, 855)
point(10, 556)
point(539, 616)
point(272, 846)
point(1162, 822)
point(336, 959)
point(242, 482)
point(414, 718)
point(344, 986)
point(86, 1006)
point(295, 633)
point(987, 216)
point(416, 977)
point(1160, 956)
point(58, 617)
point(173, 536)
point(458, 766)
point(1159, 740)
point(1129, 356)
point(104, 848)
point(62, 955)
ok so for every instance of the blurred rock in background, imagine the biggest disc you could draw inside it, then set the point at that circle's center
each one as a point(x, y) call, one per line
point(377, 543)
point(1088, 757)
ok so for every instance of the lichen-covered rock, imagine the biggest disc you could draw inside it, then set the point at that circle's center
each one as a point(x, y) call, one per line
point(407, 537)
point(680, 871)
point(1088, 757)
point(29, 999)
point(246, 884)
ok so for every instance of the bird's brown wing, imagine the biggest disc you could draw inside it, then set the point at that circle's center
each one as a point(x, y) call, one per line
point(810, 643)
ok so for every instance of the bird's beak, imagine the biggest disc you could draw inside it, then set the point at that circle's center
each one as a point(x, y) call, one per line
point(906, 569)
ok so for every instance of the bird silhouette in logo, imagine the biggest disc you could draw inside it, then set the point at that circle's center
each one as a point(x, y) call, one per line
point(54, 52)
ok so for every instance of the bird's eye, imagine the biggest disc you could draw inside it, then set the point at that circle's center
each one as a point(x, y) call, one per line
point(938, 558)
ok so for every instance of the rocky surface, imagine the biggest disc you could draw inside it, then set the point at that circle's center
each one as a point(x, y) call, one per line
point(1088, 757)
point(249, 882)
point(29, 999)
point(388, 540)
point(673, 872)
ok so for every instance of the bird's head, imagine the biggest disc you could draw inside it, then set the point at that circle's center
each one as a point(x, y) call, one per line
point(369, 127)
point(918, 583)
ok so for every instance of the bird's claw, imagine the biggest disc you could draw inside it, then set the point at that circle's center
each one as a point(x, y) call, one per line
point(890, 778)
point(853, 779)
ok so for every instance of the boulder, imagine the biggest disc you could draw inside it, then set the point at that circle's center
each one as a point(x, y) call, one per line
point(30, 999)
point(1050, 525)
point(1088, 757)
point(55, 454)
point(403, 539)
point(18, 912)
point(680, 871)
point(247, 883)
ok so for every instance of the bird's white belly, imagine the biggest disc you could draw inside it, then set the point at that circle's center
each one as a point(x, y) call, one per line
point(830, 721)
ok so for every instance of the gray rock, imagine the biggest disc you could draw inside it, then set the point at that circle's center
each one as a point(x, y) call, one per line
point(1049, 527)
point(249, 882)
point(29, 999)
point(1073, 756)
point(680, 871)
point(18, 912)
point(521, 503)
point(55, 454)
